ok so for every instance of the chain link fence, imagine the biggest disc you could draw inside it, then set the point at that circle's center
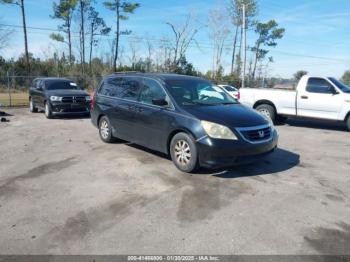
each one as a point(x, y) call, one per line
point(14, 89)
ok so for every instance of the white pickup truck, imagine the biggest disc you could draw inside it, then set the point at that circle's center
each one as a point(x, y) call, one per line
point(314, 97)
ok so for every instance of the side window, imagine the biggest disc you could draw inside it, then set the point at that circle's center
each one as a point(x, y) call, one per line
point(111, 86)
point(151, 90)
point(129, 89)
point(39, 84)
point(319, 85)
point(34, 83)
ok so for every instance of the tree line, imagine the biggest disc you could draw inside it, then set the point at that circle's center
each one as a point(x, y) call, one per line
point(78, 56)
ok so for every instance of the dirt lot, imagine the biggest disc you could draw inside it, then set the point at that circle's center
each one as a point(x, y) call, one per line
point(62, 191)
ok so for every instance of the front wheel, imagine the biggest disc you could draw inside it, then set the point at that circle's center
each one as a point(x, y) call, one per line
point(48, 112)
point(267, 111)
point(347, 122)
point(32, 107)
point(184, 153)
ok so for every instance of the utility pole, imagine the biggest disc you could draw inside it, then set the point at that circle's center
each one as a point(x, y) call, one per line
point(243, 47)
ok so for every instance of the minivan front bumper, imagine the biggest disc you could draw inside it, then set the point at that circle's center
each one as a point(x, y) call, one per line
point(214, 153)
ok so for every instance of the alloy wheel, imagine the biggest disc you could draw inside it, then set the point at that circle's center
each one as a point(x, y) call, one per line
point(47, 110)
point(182, 152)
point(104, 129)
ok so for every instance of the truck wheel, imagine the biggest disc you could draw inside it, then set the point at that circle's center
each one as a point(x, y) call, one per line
point(347, 122)
point(48, 112)
point(184, 153)
point(267, 111)
point(32, 107)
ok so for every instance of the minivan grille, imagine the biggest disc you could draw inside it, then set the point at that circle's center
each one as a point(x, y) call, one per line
point(257, 134)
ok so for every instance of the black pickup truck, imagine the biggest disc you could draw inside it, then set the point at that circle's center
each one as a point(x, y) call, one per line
point(58, 96)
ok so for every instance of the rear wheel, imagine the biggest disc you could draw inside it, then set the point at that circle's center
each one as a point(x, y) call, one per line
point(267, 111)
point(32, 107)
point(105, 130)
point(183, 152)
point(48, 112)
point(347, 122)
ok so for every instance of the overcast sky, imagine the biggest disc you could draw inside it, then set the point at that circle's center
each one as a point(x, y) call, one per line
point(317, 37)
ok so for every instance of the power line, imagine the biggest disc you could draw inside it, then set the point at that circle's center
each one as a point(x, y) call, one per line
point(203, 45)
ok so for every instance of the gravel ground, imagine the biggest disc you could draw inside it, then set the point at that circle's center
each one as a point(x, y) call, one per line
point(63, 191)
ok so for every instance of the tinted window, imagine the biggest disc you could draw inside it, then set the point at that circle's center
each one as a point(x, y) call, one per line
point(130, 88)
point(111, 86)
point(151, 90)
point(59, 84)
point(319, 85)
point(197, 91)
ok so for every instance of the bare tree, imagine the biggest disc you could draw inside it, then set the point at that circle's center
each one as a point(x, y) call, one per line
point(134, 47)
point(5, 36)
point(122, 9)
point(183, 37)
point(149, 47)
point(97, 27)
point(235, 9)
point(20, 4)
point(218, 33)
point(63, 10)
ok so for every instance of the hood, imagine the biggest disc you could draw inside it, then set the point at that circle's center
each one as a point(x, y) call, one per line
point(67, 92)
point(233, 115)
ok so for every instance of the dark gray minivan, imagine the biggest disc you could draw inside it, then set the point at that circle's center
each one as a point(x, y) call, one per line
point(191, 119)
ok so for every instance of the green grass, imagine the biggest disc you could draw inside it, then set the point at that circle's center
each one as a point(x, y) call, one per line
point(17, 99)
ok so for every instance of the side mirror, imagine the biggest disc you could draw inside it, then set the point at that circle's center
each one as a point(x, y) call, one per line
point(159, 102)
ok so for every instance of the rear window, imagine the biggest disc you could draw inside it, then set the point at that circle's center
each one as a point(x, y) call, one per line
point(121, 87)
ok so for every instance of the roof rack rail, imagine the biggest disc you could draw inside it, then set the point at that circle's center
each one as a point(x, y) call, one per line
point(127, 72)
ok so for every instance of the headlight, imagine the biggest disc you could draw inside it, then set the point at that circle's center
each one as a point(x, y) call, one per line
point(55, 98)
point(218, 131)
point(88, 98)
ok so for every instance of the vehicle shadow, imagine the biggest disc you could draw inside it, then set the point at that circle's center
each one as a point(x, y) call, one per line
point(278, 161)
point(316, 124)
point(3, 113)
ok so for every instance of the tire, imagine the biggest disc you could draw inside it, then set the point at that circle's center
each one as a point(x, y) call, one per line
point(105, 130)
point(48, 112)
point(267, 111)
point(32, 107)
point(347, 122)
point(184, 152)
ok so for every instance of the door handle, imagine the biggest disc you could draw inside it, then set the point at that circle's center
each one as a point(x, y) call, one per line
point(304, 97)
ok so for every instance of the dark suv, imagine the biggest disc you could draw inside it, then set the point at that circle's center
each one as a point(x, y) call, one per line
point(58, 96)
point(189, 118)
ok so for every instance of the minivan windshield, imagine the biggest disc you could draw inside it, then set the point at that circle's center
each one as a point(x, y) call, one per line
point(343, 87)
point(59, 84)
point(197, 92)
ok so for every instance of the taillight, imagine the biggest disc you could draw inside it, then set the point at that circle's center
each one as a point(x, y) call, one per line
point(238, 95)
